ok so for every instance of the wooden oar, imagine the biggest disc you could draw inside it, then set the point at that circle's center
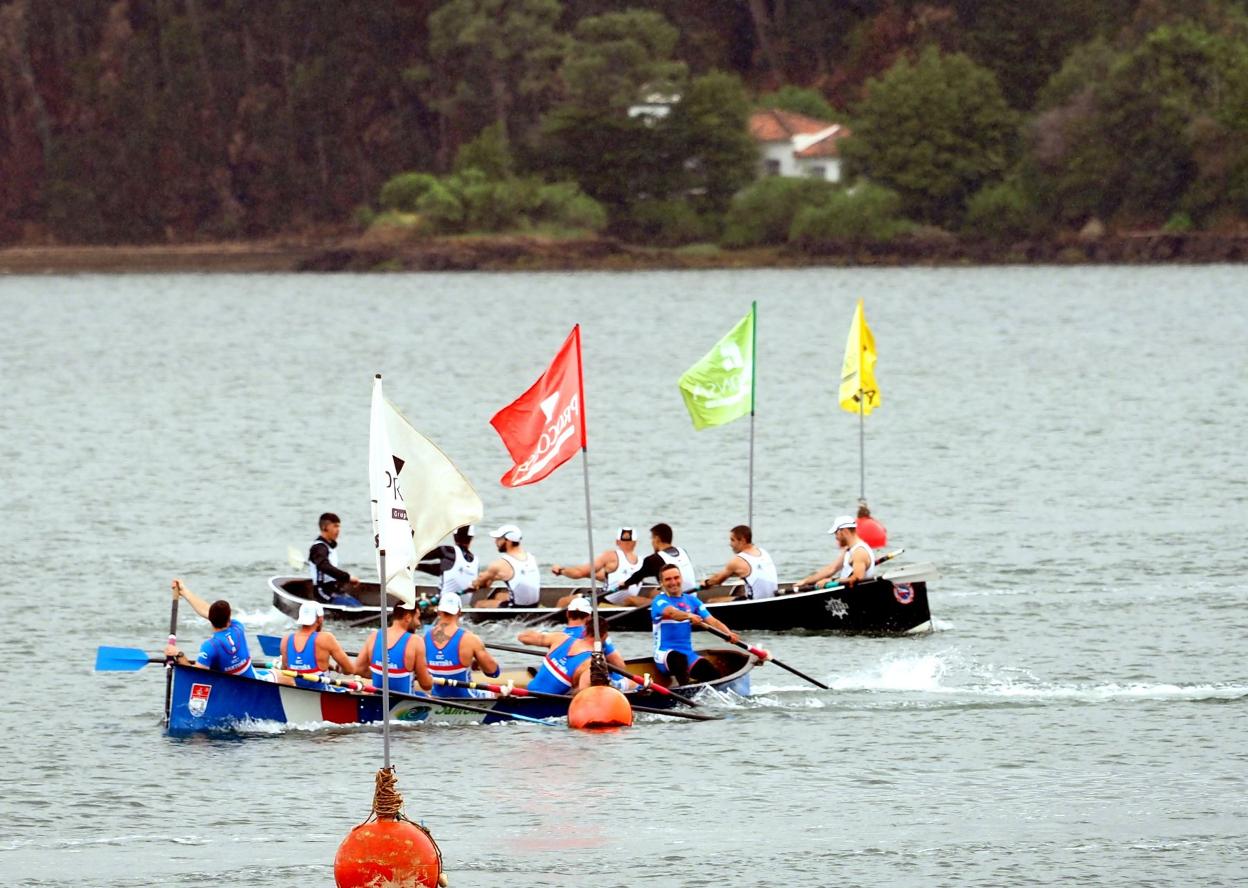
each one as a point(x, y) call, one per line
point(665, 691)
point(173, 639)
point(119, 659)
point(564, 698)
point(810, 587)
point(272, 647)
point(765, 656)
point(448, 702)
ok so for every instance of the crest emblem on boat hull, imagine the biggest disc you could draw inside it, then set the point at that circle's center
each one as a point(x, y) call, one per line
point(904, 593)
point(837, 608)
point(198, 704)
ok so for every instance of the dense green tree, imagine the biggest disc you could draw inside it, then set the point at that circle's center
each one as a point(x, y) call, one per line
point(934, 130)
point(1140, 133)
point(799, 100)
point(495, 61)
point(616, 57)
point(708, 132)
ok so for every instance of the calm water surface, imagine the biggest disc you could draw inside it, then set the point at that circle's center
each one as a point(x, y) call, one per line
point(1067, 444)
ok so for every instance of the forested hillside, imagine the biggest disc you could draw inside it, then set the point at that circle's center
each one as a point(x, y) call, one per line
point(171, 120)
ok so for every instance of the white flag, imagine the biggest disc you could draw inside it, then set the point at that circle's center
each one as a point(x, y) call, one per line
point(418, 495)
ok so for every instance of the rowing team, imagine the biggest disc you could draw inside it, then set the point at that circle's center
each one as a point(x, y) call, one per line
point(448, 651)
point(622, 570)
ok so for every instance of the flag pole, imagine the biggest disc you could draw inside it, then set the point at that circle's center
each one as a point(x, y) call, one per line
point(753, 377)
point(385, 665)
point(589, 521)
point(862, 447)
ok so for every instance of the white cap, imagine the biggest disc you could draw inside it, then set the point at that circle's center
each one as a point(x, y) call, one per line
point(467, 530)
point(619, 533)
point(508, 532)
point(845, 522)
point(309, 613)
point(449, 603)
point(581, 605)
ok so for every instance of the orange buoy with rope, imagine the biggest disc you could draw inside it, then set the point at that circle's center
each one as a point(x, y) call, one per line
point(388, 850)
point(599, 706)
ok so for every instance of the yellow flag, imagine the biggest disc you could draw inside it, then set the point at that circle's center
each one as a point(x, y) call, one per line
point(858, 370)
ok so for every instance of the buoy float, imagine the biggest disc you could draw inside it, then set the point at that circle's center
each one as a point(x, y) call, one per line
point(389, 851)
point(599, 706)
point(872, 533)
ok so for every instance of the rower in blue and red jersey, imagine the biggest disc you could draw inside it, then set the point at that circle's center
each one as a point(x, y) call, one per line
point(673, 614)
point(226, 650)
point(579, 611)
point(404, 655)
point(452, 652)
point(309, 649)
point(566, 665)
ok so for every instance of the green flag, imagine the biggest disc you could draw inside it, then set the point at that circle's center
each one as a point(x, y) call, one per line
point(720, 387)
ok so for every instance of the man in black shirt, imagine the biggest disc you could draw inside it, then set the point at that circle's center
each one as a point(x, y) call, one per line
point(664, 553)
point(328, 579)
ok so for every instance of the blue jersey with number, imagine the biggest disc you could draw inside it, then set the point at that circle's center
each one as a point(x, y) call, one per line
point(226, 651)
point(444, 663)
point(558, 669)
point(396, 661)
point(675, 635)
point(579, 632)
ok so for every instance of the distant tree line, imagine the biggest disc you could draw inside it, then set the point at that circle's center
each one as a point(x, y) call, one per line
point(147, 120)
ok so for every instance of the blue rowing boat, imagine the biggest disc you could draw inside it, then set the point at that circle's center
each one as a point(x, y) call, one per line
point(206, 701)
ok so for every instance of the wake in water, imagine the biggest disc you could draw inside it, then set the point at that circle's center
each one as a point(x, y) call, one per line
point(948, 674)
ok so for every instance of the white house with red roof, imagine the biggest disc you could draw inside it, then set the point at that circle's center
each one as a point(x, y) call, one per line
point(796, 145)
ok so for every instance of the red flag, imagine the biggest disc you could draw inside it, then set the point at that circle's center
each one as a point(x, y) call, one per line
point(544, 427)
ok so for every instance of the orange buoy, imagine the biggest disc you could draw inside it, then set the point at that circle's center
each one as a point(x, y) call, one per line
point(387, 852)
point(599, 706)
point(872, 532)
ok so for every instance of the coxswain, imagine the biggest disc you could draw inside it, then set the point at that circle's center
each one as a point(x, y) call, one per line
point(328, 579)
point(579, 614)
point(665, 553)
point(403, 656)
point(749, 562)
point(612, 567)
point(226, 649)
point(309, 649)
point(455, 565)
point(856, 562)
point(870, 531)
point(515, 568)
point(673, 614)
point(566, 664)
point(451, 651)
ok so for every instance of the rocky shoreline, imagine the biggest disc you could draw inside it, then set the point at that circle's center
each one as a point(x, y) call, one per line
point(534, 253)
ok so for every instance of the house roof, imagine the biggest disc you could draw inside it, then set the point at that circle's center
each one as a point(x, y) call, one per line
point(824, 145)
point(775, 125)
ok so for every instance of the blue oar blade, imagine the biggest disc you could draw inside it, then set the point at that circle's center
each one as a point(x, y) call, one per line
point(119, 659)
point(271, 645)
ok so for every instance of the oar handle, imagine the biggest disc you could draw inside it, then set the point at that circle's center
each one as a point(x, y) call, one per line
point(810, 587)
point(667, 692)
point(766, 655)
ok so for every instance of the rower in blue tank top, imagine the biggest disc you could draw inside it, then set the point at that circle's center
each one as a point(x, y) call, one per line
point(402, 657)
point(452, 651)
point(673, 614)
point(565, 667)
point(310, 649)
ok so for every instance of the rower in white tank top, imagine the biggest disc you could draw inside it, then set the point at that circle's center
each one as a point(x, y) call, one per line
point(623, 570)
point(459, 576)
point(762, 580)
point(679, 557)
point(524, 589)
point(847, 561)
